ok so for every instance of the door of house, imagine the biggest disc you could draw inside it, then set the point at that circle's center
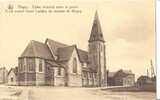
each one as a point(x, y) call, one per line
point(49, 75)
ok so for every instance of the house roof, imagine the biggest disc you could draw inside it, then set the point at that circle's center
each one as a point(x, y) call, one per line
point(144, 80)
point(37, 49)
point(88, 69)
point(54, 45)
point(111, 74)
point(15, 70)
point(45, 50)
point(96, 32)
point(83, 55)
point(125, 71)
point(53, 63)
point(64, 51)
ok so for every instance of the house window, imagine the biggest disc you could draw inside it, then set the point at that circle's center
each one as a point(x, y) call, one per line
point(20, 67)
point(30, 64)
point(59, 71)
point(23, 67)
point(40, 65)
point(82, 64)
point(90, 75)
point(95, 75)
point(95, 59)
point(74, 65)
point(11, 79)
point(101, 48)
point(21, 63)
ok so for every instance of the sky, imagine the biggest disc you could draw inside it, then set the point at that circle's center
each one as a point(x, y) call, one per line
point(128, 27)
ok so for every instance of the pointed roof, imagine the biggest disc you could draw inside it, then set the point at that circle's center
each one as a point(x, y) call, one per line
point(37, 49)
point(63, 51)
point(123, 73)
point(96, 32)
point(54, 45)
point(15, 70)
point(83, 55)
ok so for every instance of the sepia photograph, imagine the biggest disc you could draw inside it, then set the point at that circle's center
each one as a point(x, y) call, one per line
point(60, 50)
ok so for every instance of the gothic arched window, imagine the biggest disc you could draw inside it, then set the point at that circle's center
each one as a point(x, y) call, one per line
point(30, 64)
point(40, 65)
point(74, 65)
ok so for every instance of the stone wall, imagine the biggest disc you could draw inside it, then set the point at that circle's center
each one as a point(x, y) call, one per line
point(3, 75)
point(12, 79)
point(74, 79)
point(129, 80)
point(40, 75)
point(26, 78)
point(59, 81)
point(98, 61)
point(89, 79)
point(49, 74)
point(59, 77)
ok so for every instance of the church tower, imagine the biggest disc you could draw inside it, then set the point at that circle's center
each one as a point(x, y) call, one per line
point(97, 56)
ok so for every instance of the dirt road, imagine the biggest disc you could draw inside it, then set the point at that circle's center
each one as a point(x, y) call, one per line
point(69, 93)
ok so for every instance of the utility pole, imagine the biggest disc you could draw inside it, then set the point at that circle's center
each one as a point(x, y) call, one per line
point(147, 73)
point(152, 69)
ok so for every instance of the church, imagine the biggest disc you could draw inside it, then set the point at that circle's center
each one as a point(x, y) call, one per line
point(57, 64)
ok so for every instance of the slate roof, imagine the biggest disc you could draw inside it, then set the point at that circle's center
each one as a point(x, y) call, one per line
point(83, 55)
point(45, 50)
point(64, 51)
point(88, 69)
point(53, 63)
point(123, 73)
point(54, 45)
point(37, 49)
point(96, 32)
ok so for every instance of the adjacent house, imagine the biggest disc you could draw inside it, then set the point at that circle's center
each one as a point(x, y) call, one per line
point(58, 64)
point(110, 78)
point(3, 75)
point(12, 76)
point(121, 78)
point(142, 80)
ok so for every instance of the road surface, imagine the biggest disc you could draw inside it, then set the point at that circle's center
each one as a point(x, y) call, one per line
point(68, 93)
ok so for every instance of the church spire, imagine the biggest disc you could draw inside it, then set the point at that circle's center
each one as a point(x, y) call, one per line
point(96, 32)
